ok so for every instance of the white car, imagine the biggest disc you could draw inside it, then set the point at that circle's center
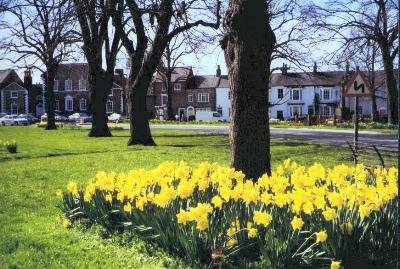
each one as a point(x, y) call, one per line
point(13, 120)
point(76, 117)
point(115, 117)
point(211, 116)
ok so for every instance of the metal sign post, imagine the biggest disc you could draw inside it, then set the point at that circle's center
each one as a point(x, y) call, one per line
point(355, 127)
point(357, 87)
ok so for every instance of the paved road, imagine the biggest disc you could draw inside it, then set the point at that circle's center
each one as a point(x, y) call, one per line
point(332, 137)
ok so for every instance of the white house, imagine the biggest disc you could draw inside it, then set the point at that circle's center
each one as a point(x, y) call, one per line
point(307, 93)
point(222, 99)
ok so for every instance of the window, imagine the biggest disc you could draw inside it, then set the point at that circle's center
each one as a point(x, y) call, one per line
point(326, 94)
point(14, 108)
point(110, 107)
point(82, 104)
point(69, 104)
point(57, 105)
point(14, 94)
point(55, 86)
point(164, 99)
point(280, 93)
point(68, 85)
point(177, 86)
point(190, 98)
point(82, 85)
point(203, 109)
point(163, 88)
point(296, 94)
point(296, 111)
point(111, 92)
point(203, 98)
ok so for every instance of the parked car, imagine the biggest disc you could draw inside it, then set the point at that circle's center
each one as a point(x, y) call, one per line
point(58, 117)
point(3, 114)
point(31, 118)
point(77, 117)
point(115, 117)
point(208, 116)
point(13, 120)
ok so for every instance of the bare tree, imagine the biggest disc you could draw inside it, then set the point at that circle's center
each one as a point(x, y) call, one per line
point(353, 23)
point(42, 35)
point(248, 44)
point(176, 49)
point(99, 41)
point(167, 20)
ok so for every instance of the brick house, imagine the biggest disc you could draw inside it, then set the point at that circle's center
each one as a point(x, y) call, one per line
point(13, 94)
point(191, 93)
point(73, 95)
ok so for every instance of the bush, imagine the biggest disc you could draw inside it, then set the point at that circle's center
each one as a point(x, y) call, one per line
point(297, 217)
point(43, 124)
point(10, 146)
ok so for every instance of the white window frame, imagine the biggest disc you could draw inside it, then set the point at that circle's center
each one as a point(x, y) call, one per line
point(82, 84)
point(12, 94)
point(82, 108)
point(292, 112)
point(328, 92)
point(162, 99)
point(203, 98)
point(163, 88)
point(326, 111)
point(190, 98)
point(292, 95)
point(67, 100)
point(178, 86)
point(57, 105)
point(199, 109)
point(55, 85)
point(68, 85)
point(108, 110)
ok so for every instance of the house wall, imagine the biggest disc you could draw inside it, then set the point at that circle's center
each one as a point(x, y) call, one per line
point(19, 101)
point(222, 100)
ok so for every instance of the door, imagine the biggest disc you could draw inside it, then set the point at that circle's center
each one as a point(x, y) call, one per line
point(181, 112)
point(279, 115)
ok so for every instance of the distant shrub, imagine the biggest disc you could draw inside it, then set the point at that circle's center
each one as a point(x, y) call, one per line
point(11, 146)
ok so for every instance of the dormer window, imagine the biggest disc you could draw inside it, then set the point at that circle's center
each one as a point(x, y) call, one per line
point(326, 94)
point(163, 88)
point(68, 85)
point(177, 86)
point(14, 94)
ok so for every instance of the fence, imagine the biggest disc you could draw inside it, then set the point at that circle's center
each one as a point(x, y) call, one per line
point(374, 154)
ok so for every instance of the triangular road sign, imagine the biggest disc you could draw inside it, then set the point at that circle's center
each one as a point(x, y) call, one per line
point(358, 85)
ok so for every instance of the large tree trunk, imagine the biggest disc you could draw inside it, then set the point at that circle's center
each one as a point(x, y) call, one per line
point(100, 86)
point(140, 81)
point(139, 118)
point(391, 84)
point(248, 45)
point(50, 100)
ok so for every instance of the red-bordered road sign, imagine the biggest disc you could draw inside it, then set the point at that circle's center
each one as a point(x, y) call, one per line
point(358, 86)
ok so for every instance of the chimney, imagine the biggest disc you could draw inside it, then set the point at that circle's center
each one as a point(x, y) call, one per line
point(284, 69)
point(28, 78)
point(119, 72)
point(315, 70)
point(218, 73)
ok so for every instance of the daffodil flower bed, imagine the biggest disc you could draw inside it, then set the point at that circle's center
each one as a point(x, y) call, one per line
point(298, 216)
point(9, 145)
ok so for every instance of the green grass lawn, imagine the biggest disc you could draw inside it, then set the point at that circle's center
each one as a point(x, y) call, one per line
point(31, 236)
